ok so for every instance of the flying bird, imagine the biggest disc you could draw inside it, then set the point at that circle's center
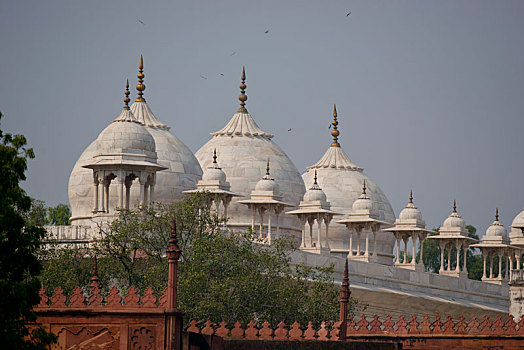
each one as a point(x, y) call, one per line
point(140, 21)
point(329, 126)
point(289, 129)
point(222, 74)
point(349, 13)
point(203, 77)
point(233, 53)
point(267, 31)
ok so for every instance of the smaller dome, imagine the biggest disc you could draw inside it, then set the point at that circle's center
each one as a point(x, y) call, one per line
point(267, 184)
point(214, 174)
point(454, 220)
point(363, 202)
point(496, 229)
point(125, 135)
point(519, 220)
point(314, 194)
point(410, 212)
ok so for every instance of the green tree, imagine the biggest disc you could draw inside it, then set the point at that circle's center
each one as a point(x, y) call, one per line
point(59, 214)
point(19, 241)
point(222, 275)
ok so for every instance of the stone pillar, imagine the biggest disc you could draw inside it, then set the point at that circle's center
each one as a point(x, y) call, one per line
point(358, 230)
point(278, 222)
point(484, 265)
point(507, 266)
point(405, 240)
point(500, 265)
point(120, 192)
point(269, 223)
point(95, 193)
point(414, 241)
point(261, 226)
point(142, 199)
point(375, 242)
point(253, 213)
point(302, 219)
point(442, 247)
point(103, 192)
point(465, 250)
point(397, 236)
point(319, 227)
point(491, 265)
point(458, 245)
point(128, 194)
point(421, 248)
point(327, 219)
point(449, 256)
point(106, 188)
point(366, 230)
point(518, 259)
point(152, 193)
point(311, 221)
point(350, 229)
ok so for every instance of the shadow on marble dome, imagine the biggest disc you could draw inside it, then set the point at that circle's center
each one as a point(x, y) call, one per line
point(182, 173)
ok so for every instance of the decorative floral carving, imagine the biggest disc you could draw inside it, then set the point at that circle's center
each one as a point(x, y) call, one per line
point(142, 338)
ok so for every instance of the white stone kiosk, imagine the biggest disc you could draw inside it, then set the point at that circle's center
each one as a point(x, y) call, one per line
point(410, 225)
point(266, 198)
point(453, 233)
point(314, 208)
point(214, 182)
point(516, 237)
point(496, 243)
point(363, 219)
point(125, 152)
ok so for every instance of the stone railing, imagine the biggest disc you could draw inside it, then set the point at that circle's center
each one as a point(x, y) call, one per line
point(517, 276)
point(365, 326)
point(70, 234)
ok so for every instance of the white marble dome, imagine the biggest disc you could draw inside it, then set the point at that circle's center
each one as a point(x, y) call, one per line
point(516, 231)
point(410, 212)
point(342, 180)
point(496, 229)
point(315, 194)
point(267, 185)
point(454, 220)
point(214, 174)
point(362, 203)
point(182, 173)
point(243, 149)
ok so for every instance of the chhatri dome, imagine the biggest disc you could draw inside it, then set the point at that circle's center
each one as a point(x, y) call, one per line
point(244, 149)
point(341, 180)
point(182, 173)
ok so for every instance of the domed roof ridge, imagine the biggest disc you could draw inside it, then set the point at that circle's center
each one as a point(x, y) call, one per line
point(242, 124)
point(144, 115)
point(335, 157)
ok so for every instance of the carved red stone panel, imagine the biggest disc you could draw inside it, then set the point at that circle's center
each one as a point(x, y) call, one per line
point(142, 337)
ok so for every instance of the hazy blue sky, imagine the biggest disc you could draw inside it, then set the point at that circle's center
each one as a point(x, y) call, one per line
point(430, 94)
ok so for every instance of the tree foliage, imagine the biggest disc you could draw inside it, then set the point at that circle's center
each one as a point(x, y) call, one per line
point(19, 241)
point(40, 215)
point(222, 275)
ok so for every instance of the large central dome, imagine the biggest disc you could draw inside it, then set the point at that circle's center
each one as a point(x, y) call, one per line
point(341, 180)
point(244, 150)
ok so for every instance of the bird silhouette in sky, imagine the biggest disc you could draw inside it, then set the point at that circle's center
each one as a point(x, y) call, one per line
point(203, 77)
point(289, 129)
point(233, 53)
point(349, 13)
point(222, 74)
point(329, 127)
point(267, 31)
point(141, 22)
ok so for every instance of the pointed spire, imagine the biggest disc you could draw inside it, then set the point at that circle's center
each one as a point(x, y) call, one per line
point(497, 214)
point(411, 196)
point(215, 156)
point(126, 99)
point(364, 187)
point(140, 86)
point(335, 131)
point(243, 97)
point(94, 277)
point(454, 206)
point(267, 168)
point(315, 178)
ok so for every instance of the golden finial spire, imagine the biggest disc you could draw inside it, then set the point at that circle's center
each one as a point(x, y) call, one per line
point(126, 99)
point(411, 196)
point(454, 206)
point(497, 214)
point(364, 187)
point(335, 131)
point(243, 97)
point(267, 168)
point(140, 87)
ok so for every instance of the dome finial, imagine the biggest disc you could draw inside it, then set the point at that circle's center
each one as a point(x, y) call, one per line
point(411, 196)
point(497, 214)
point(454, 206)
point(335, 131)
point(243, 97)
point(126, 99)
point(267, 168)
point(364, 187)
point(315, 178)
point(215, 156)
point(140, 87)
